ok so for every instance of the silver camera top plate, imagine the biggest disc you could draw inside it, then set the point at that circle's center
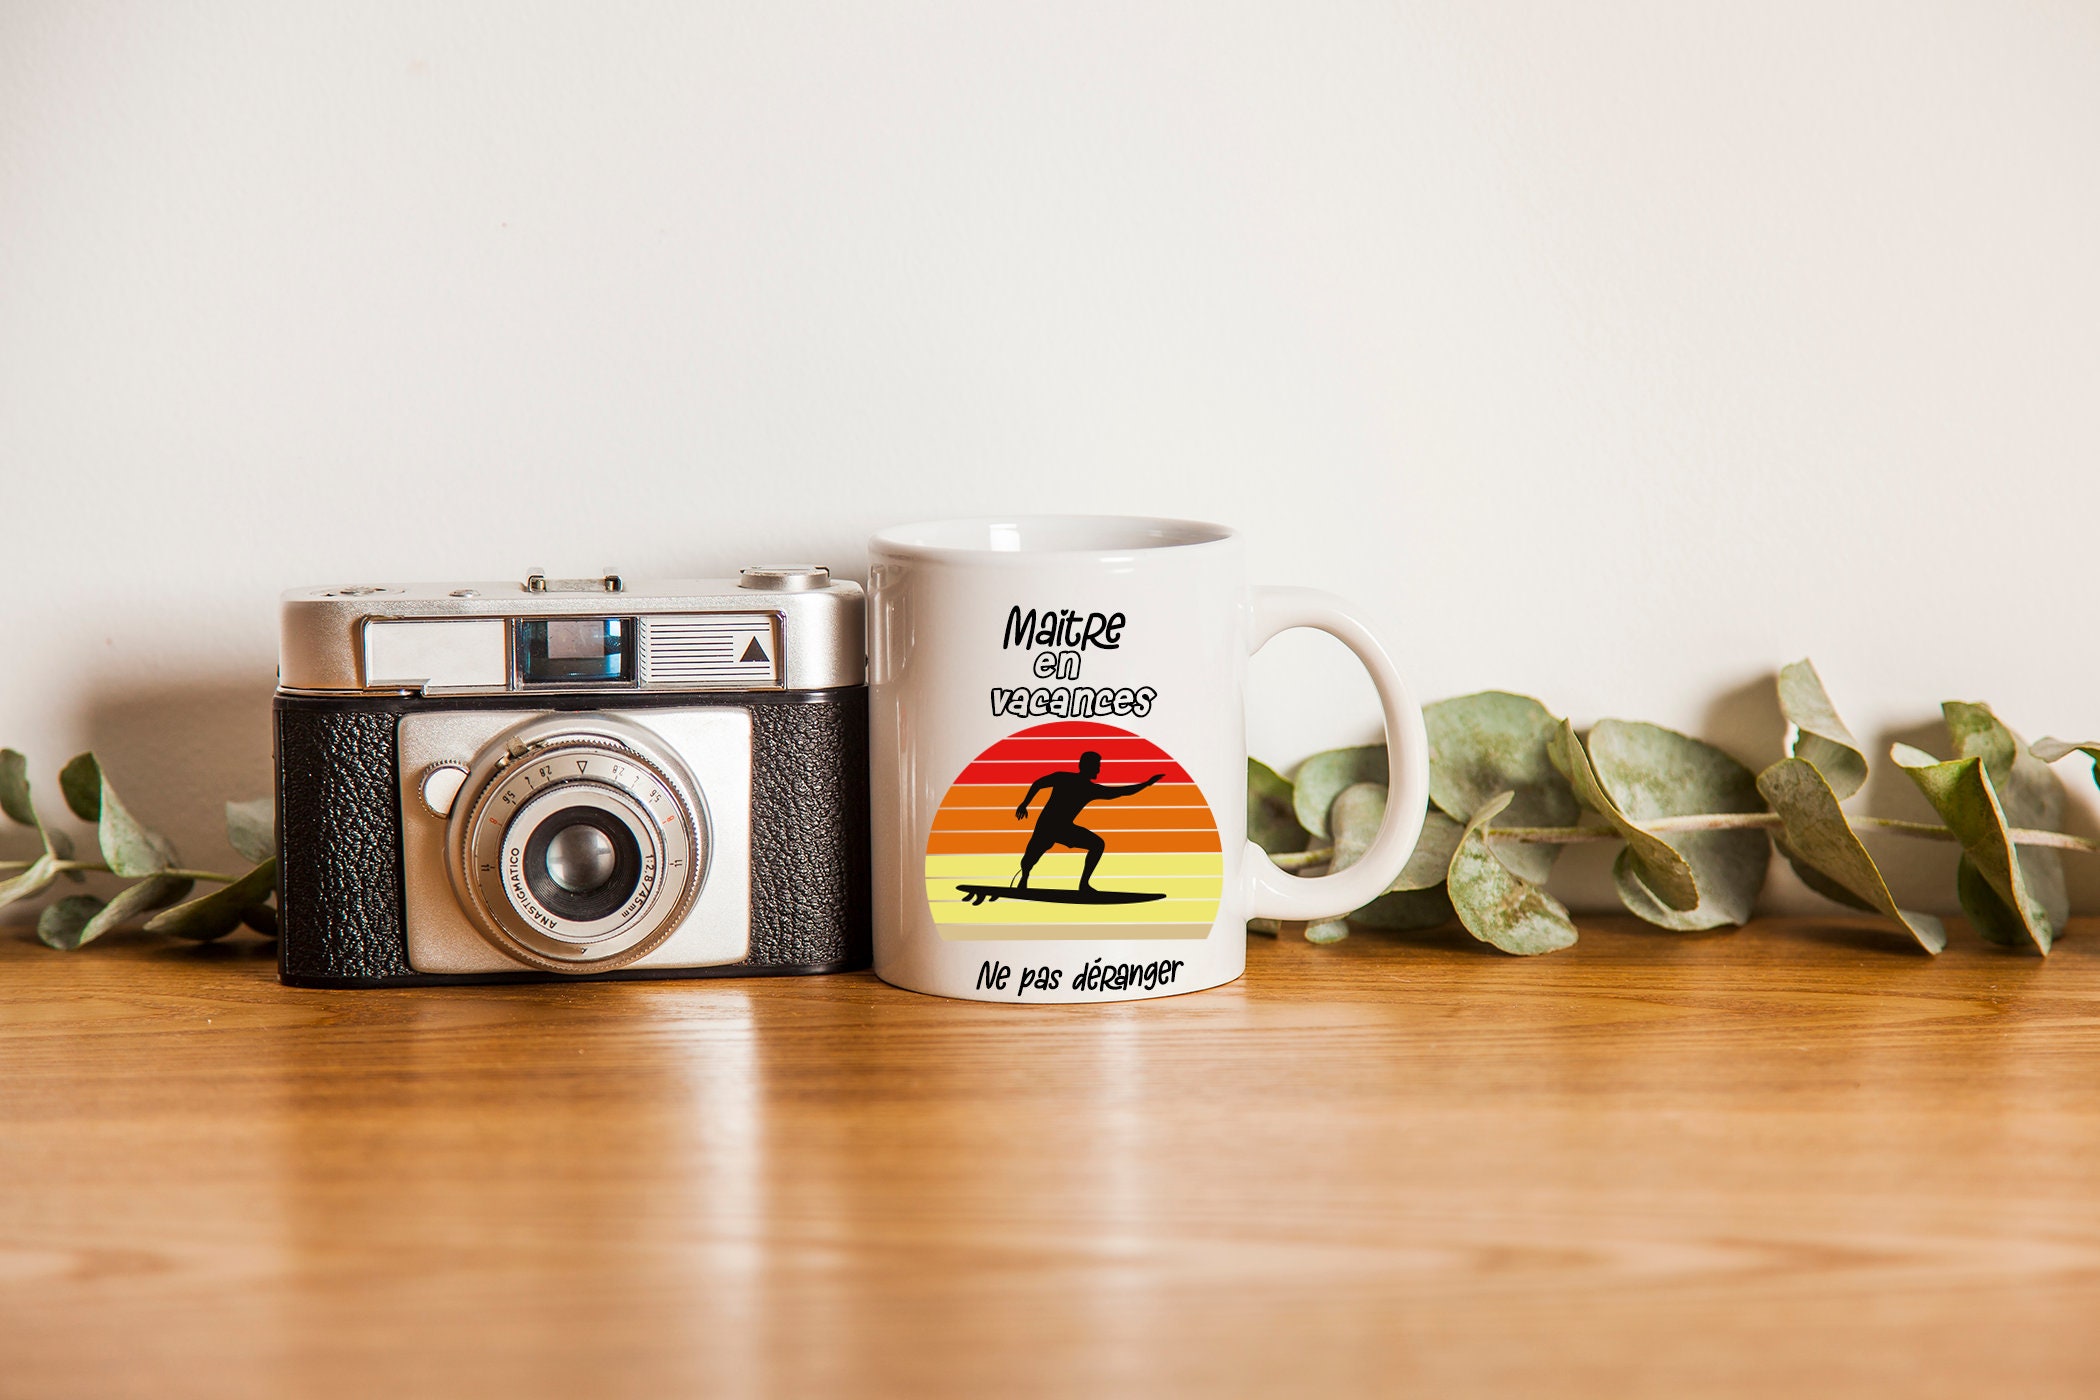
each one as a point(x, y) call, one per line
point(775, 628)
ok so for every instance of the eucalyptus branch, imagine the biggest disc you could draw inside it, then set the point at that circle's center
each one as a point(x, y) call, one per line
point(1717, 821)
point(132, 851)
point(1528, 784)
point(98, 867)
point(1772, 821)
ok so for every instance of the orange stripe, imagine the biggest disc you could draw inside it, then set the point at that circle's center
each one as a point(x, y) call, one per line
point(1009, 795)
point(958, 843)
point(1101, 816)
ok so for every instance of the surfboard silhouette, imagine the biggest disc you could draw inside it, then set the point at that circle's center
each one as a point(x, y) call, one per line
point(978, 894)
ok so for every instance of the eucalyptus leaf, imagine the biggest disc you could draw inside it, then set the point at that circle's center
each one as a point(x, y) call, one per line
point(1322, 777)
point(251, 827)
point(2029, 793)
point(1827, 853)
point(2049, 750)
point(81, 782)
point(263, 919)
point(1652, 772)
point(1960, 791)
point(1357, 813)
point(1992, 918)
point(15, 798)
point(1820, 737)
point(60, 844)
point(1271, 821)
point(64, 920)
point(1354, 817)
point(37, 878)
point(1404, 910)
point(1431, 861)
point(14, 788)
point(1327, 931)
point(1498, 906)
point(220, 912)
point(1665, 873)
point(1494, 742)
point(153, 892)
point(128, 847)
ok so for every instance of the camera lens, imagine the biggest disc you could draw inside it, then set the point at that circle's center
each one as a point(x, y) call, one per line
point(579, 842)
point(580, 859)
point(582, 863)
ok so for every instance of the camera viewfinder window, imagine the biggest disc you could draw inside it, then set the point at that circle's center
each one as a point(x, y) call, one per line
point(575, 650)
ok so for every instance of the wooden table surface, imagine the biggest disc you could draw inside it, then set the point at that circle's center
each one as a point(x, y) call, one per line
point(1795, 1157)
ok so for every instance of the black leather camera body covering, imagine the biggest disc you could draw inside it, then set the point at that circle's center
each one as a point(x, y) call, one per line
point(341, 899)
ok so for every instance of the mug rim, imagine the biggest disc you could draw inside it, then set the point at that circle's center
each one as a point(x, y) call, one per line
point(1123, 536)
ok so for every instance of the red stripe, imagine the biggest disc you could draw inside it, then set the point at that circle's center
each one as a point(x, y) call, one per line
point(1065, 750)
point(1113, 771)
point(1063, 727)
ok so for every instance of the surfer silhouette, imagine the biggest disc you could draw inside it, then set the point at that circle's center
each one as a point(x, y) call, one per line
point(1057, 824)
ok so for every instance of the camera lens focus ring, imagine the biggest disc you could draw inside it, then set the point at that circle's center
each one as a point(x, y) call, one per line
point(584, 844)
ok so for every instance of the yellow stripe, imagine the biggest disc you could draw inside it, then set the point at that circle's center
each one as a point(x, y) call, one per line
point(1091, 933)
point(1021, 911)
point(1172, 886)
point(1063, 867)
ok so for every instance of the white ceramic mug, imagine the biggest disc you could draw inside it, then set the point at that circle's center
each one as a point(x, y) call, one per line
point(1059, 746)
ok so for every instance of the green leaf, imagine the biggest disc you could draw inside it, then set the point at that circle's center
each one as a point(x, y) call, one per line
point(1271, 821)
point(63, 921)
point(81, 782)
point(1403, 910)
point(262, 918)
point(1412, 901)
point(1827, 853)
point(1653, 772)
point(58, 846)
point(1960, 791)
point(2050, 750)
point(1322, 777)
point(1495, 742)
point(1327, 931)
point(220, 912)
point(1357, 813)
point(1820, 736)
point(14, 788)
point(1665, 873)
point(1431, 861)
point(1498, 906)
point(1354, 817)
point(251, 827)
point(2029, 793)
point(128, 847)
point(147, 895)
point(33, 881)
point(1993, 919)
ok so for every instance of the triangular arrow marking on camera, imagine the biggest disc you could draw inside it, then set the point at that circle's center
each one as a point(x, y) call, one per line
point(754, 652)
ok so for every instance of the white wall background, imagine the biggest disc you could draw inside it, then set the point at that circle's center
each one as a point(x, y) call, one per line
point(1615, 352)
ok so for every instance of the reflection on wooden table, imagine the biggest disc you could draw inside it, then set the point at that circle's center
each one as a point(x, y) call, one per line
point(1796, 1156)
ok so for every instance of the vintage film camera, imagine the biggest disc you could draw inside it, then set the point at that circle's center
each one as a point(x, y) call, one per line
point(572, 777)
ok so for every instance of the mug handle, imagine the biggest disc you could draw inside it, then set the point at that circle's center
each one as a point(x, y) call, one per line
point(1274, 894)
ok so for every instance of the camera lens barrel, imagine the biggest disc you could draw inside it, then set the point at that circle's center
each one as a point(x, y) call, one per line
point(578, 843)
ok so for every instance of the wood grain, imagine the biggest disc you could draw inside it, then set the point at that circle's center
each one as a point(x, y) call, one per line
point(1792, 1158)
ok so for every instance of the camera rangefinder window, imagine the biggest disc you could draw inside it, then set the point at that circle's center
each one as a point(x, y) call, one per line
point(575, 650)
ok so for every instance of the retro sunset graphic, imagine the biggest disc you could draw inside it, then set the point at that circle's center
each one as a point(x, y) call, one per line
point(1074, 830)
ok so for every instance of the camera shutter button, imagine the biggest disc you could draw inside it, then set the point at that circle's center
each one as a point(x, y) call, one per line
point(785, 578)
point(440, 787)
